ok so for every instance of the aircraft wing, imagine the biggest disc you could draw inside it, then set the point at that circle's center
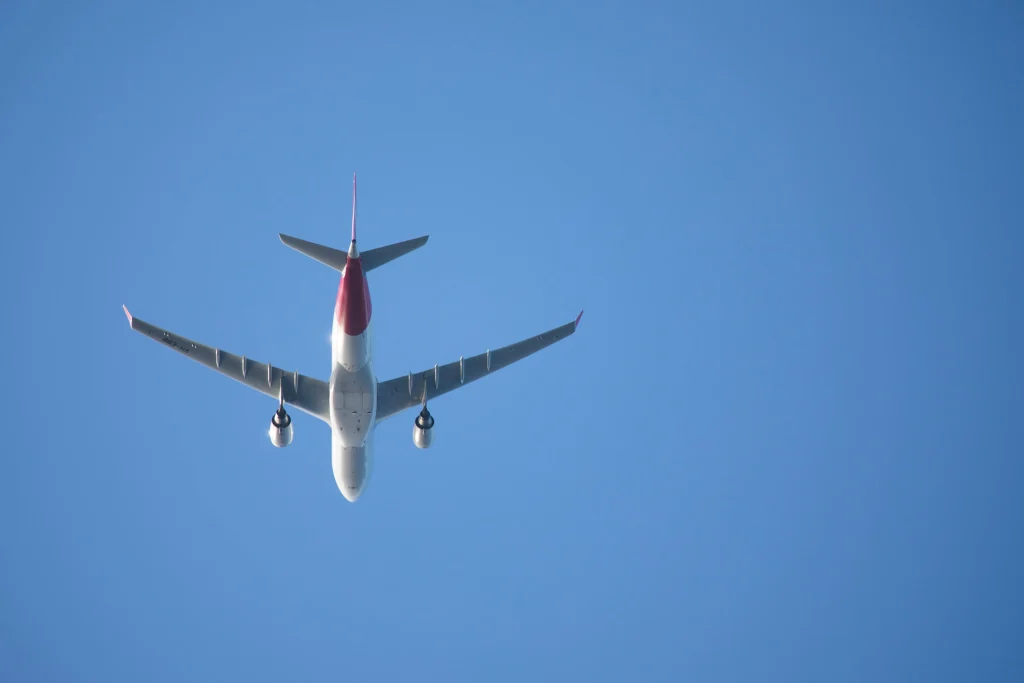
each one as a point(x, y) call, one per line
point(395, 395)
point(305, 393)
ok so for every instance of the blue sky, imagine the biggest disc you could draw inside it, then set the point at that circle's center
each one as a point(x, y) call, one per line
point(785, 444)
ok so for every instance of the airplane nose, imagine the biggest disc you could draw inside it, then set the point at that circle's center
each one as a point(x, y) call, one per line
point(351, 493)
point(350, 471)
point(351, 484)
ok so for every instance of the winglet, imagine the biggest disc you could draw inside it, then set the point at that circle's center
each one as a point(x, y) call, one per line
point(578, 319)
point(127, 314)
point(353, 207)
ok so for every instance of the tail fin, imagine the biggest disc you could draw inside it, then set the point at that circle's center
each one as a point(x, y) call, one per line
point(335, 258)
point(353, 207)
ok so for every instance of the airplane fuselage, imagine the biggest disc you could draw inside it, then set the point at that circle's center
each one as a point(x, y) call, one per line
point(352, 401)
point(353, 386)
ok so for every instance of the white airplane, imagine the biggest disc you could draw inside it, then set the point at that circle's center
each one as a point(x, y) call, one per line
point(353, 402)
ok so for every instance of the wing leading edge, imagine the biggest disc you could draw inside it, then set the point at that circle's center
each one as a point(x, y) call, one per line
point(400, 393)
point(305, 393)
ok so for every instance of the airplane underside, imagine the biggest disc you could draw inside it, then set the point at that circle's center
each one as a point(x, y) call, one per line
point(352, 402)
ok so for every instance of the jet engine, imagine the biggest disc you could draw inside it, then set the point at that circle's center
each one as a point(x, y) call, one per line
point(281, 428)
point(422, 429)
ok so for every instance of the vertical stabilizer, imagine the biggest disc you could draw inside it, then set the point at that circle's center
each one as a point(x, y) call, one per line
point(353, 207)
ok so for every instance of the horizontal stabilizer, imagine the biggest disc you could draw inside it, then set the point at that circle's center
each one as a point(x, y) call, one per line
point(335, 258)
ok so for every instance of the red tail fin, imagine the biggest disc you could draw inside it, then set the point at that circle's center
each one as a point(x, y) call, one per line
point(353, 304)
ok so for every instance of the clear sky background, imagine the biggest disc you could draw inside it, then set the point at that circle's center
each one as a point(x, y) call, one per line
point(784, 445)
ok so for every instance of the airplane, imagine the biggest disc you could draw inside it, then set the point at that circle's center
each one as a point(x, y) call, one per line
point(352, 402)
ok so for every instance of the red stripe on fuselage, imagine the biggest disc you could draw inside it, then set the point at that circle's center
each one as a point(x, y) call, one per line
point(353, 305)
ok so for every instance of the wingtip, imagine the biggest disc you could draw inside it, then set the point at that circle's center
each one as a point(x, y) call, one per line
point(578, 318)
point(127, 314)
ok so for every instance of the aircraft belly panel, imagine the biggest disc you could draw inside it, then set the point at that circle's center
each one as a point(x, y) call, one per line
point(353, 404)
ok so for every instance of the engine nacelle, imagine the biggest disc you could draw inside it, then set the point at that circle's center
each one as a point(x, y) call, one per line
point(281, 428)
point(422, 429)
